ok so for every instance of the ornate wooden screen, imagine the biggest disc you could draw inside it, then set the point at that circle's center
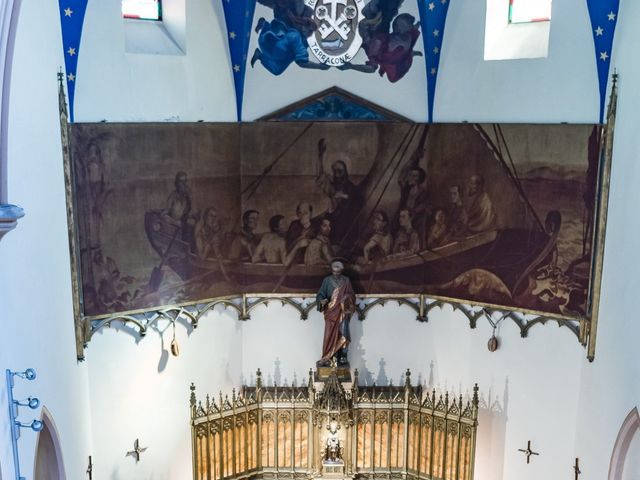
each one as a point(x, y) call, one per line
point(381, 432)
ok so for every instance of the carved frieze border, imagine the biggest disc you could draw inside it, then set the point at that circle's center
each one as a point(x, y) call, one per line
point(140, 323)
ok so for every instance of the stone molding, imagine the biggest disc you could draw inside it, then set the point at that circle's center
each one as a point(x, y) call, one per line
point(9, 216)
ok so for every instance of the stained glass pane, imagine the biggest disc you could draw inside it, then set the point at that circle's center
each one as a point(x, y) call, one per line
point(526, 11)
point(142, 9)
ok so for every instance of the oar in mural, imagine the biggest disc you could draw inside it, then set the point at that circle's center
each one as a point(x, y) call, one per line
point(156, 274)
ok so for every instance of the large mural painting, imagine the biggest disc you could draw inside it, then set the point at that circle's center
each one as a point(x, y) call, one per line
point(170, 214)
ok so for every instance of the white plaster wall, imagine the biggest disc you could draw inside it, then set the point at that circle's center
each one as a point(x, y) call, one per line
point(560, 88)
point(524, 377)
point(139, 390)
point(555, 398)
point(610, 386)
point(35, 296)
point(118, 86)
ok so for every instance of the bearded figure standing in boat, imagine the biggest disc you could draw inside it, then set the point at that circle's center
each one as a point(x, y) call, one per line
point(337, 301)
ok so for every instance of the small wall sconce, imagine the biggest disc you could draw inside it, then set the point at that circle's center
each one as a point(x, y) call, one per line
point(16, 425)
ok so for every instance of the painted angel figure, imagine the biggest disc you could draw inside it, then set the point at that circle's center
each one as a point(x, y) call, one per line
point(283, 40)
point(388, 39)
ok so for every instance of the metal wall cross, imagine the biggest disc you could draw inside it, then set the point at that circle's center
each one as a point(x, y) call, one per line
point(528, 452)
point(137, 450)
point(576, 468)
point(90, 468)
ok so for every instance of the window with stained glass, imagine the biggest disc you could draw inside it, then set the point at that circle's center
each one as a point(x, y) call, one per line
point(142, 9)
point(529, 11)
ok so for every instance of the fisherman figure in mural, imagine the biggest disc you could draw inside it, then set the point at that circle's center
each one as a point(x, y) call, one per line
point(481, 215)
point(337, 301)
point(178, 210)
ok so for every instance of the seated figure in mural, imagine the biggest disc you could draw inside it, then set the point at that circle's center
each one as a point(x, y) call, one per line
point(337, 301)
point(379, 244)
point(414, 197)
point(208, 235)
point(481, 215)
point(304, 226)
point(284, 40)
point(272, 247)
point(438, 234)
point(244, 244)
point(406, 241)
point(388, 39)
point(178, 210)
point(456, 213)
point(319, 251)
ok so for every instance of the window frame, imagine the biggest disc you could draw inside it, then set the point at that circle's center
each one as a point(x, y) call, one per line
point(513, 41)
point(138, 17)
point(533, 20)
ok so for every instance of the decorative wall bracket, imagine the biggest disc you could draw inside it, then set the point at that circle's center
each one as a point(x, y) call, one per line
point(139, 323)
point(9, 216)
point(16, 425)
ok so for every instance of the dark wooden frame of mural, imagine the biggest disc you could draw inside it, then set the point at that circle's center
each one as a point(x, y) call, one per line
point(584, 328)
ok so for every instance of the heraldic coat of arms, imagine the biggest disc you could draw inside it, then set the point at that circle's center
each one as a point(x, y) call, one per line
point(334, 32)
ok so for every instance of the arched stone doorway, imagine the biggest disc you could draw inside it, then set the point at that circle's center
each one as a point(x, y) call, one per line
point(625, 459)
point(48, 463)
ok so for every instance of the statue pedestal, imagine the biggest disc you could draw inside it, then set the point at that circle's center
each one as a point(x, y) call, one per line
point(343, 373)
point(332, 469)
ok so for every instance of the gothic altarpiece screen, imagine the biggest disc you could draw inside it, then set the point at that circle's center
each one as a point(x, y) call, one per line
point(333, 432)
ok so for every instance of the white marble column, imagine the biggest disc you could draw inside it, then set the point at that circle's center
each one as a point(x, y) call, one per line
point(9, 10)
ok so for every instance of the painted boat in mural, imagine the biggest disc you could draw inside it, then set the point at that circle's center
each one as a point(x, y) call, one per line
point(491, 266)
point(508, 255)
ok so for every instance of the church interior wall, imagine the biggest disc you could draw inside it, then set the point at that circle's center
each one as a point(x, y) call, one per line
point(130, 388)
point(35, 292)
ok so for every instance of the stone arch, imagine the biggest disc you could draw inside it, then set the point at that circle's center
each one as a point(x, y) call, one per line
point(630, 428)
point(48, 459)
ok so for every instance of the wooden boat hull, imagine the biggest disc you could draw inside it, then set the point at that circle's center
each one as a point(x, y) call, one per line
point(508, 254)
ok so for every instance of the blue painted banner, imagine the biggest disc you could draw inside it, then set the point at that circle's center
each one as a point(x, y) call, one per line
point(433, 16)
point(604, 17)
point(71, 21)
point(238, 15)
